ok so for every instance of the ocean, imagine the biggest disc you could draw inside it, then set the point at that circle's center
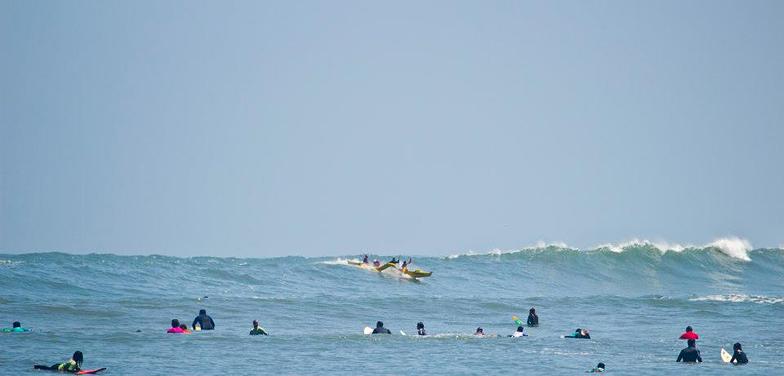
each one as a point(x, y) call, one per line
point(636, 299)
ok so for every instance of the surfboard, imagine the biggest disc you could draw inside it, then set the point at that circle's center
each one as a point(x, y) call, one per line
point(368, 330)
point(90, 371)
point(725, 356)
point(402, 333)
point(517, 321)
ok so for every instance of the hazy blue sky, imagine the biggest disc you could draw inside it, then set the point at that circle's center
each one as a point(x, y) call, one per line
point(332, 127)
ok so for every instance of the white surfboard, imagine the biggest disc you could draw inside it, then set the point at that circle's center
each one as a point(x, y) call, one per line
point(368, 330)
point(725, 356)
point(402, 333)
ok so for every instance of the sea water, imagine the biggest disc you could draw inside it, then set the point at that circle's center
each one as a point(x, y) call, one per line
point(634, 298)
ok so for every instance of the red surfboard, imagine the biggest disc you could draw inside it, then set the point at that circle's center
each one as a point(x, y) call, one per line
point(90, 371)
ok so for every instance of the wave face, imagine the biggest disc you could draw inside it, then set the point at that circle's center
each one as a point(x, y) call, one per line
point(316, 308)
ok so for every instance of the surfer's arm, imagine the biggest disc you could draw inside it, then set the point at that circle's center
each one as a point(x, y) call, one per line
point(699, 358)
point(680, 356)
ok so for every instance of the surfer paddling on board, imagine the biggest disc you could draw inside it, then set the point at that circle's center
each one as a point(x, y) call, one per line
point(520, 332)
point(690, 354)
point(73, 365)
point(16, 327)
point(580, 333)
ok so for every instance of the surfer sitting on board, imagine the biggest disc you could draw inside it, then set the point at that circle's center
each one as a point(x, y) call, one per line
point(533, 319)
point(598, 369)
point(380, 329)
point(738, 356)
point(689, 334)
point(690, 354)
point(479, 331)
point(204, 321)
point(72, 365)
point(175, 327)
point(421, 328)
point(257, 330)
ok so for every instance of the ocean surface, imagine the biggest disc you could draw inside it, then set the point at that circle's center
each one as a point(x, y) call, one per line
point(636, 299)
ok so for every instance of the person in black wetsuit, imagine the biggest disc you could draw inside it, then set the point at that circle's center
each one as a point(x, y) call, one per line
point(690, 354)
point(533, 319)
point(738, 356)
point(204, 321)
point(380, 329)
point(421, 329)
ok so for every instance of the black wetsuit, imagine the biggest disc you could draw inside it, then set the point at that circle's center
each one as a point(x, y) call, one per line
point(421, 332)
point(533, 319)
point(205, 321)
point(740, 357)
point(381, 330)
point(689, 355)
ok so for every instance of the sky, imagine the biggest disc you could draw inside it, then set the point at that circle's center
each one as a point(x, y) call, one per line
point(259, 128)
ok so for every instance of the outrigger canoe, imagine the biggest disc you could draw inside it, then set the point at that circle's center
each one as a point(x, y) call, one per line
point(417, 273)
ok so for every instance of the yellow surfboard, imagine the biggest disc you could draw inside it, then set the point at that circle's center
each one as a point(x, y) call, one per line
point(725, 356)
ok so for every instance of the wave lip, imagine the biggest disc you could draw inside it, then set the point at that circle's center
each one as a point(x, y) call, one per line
point(734, 247)
point(538, 246)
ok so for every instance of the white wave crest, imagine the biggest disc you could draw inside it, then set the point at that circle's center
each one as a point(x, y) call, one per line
point(731, 246)
point(740, 298)
point(734, 247)
point(338, 261)
point(538, 246)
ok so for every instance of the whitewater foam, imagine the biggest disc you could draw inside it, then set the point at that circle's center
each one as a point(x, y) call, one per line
point(740, 298)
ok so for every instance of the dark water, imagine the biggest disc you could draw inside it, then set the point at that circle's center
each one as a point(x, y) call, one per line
point(636, 300)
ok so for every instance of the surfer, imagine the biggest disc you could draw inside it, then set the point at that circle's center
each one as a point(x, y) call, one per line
point(479, 331)
point(533, 319)
point(380, 329)
point(16, 327)
point(689, 334)
point(204, 321)
point(420, 326)
point(598, 369)
point(257, 330)
point(175, 327)
point(376, 263)
point(690, 354)
point(72, 365)
point(738, 356)
point(365, 259)
point(404, 267)
point(520, 332)
point(580, 333)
